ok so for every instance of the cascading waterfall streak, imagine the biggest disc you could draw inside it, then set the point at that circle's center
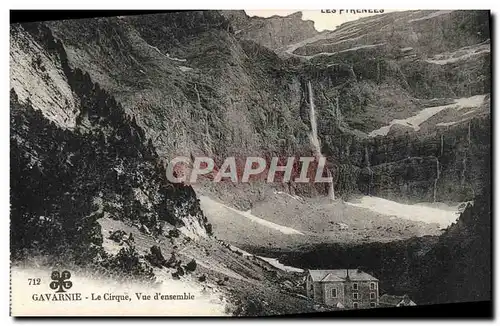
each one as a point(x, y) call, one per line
point(313, 137)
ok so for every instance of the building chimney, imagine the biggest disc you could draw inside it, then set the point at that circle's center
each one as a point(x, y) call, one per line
point(347, 273)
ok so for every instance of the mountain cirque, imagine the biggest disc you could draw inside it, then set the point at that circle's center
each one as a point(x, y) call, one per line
point(98, 106)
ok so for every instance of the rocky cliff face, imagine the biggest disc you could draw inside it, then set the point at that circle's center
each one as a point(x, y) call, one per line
point(217, 96)
point(76, 156)
point(421, 143)
point(274, 32)
point(403, 102)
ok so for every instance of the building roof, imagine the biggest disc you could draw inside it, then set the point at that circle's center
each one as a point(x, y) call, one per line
point(393, 300)
point(339, 275)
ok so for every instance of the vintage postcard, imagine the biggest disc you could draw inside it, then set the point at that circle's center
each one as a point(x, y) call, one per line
point(333, 162)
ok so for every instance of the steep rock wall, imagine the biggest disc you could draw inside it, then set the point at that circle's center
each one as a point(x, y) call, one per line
point(202, 91)
point(66, 176)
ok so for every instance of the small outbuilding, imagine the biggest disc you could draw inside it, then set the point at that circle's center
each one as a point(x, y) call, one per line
point(388, 300)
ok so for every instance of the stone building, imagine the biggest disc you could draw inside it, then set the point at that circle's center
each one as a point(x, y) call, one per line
point(343, 288)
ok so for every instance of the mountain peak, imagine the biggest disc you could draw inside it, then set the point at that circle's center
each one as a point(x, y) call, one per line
point(273, 32)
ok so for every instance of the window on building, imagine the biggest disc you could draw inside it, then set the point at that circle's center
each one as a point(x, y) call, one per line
point(334, 293)
point(372, 304)
point(355, 286)
point(373, 286)
point(372, 295)
point(355, 305)
point(355, 296)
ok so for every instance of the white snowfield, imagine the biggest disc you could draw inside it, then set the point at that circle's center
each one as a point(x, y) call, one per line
point(444, 215)
point(283, 229)
point(167, 55)
point(432, 15)
point(461, 54)
point(279, 265)
point(292, 47)
point(271, 225)
point(425, 114)
point(272, 261)
point(184, 68)
point(361, 47)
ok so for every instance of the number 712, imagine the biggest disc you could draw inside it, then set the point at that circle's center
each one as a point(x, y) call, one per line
point(34, 281)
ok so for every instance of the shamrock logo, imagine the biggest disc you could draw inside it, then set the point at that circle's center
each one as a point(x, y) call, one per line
point(60, 281)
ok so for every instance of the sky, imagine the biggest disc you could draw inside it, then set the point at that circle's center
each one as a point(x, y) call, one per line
point(322, 21)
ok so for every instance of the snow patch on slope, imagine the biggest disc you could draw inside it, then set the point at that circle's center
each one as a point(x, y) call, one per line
point(167, 55)
point(444, 215)
point(292, 47)
point(271, 225)
point(272, 261)
point(250, 216)
point(184, 68)
point(193, 228)
point(361, 47)
point(279, 265)
point(243, 252)
point(461, 54)
point(416, 120)
point(432, 15)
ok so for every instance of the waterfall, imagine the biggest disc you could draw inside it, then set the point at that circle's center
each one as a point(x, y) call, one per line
point(331, 190)
point(338, 114)
point(314, 126)
point(442, 143)
point(464, 167)
point(468, 134)
point(313, 137)
point(464, 159)
point(370, 171)
point(437, 179)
